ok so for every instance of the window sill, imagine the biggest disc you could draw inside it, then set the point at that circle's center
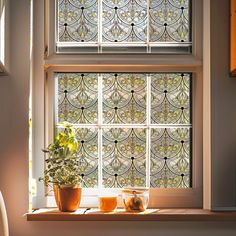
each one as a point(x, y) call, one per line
point(52, 214)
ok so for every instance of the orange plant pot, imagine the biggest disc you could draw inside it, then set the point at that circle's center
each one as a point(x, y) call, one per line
point(69, 198)
point(56, 194)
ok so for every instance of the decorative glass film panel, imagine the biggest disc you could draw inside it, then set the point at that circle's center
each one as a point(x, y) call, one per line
point(87, 155)
point(169, 21)
point(170, 158)
point(124, 155)
point(78, 20)
point(124, 98)
point(124, 26)
point(124, 20)
point(170, 101)
point(77, 98)
point(134, 129)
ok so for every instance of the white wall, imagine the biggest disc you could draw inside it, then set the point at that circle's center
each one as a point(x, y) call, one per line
point(14, 94)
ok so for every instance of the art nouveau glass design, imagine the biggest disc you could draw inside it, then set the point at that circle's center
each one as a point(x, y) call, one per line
point(124, 156)
point(124, 20)
point(133, 129)
point(169, 21)
point(78, 20)
point(170, 158)
point(124, 23)
point(124, 98)
point(170, 98)
point(87, 155)
point(77, 98)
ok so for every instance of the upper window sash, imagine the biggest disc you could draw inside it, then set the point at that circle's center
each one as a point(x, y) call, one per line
point(124, 26)
point(52, 39)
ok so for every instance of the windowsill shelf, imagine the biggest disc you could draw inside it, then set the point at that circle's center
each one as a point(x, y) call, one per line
point(52, 214)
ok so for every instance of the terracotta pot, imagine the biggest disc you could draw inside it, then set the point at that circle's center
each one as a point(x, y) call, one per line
point(69, 198)
point(56, 194)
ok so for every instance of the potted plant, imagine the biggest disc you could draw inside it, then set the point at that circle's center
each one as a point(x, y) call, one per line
point(61, 169)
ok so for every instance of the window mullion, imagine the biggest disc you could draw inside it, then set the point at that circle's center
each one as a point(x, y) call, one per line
point(148, 27)
point(99, 131)
point(56, 22)
point(148, 134)
point(99, 25)
point(56, 101)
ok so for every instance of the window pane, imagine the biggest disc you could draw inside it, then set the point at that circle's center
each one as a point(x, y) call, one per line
point(87, 155)
point(78, 20)
point(124, 26)
point(124, 155)
point(169, 21)
point(170, 98)
point(124, 20)
point(170, 158)
point(139, 127)
point(124, 98)
point(77, 98)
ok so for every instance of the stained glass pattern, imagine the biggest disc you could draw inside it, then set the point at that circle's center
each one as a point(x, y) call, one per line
point(169, 21)
point(124, 20)
point(77, 98)
point(124, 155)
point(87, 155)
point(170, 158)
point(99, 25)
point(78, 20)
point(124, 98)
point(131, 127)
point(170, 98)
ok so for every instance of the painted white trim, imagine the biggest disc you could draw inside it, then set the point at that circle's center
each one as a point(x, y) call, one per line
point(38, 103)
point(127, 44)
point(124, 60)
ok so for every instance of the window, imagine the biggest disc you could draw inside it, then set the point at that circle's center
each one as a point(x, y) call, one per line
point(136, 102)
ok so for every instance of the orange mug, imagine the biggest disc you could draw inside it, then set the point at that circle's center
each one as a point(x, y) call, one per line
point(107, 203)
